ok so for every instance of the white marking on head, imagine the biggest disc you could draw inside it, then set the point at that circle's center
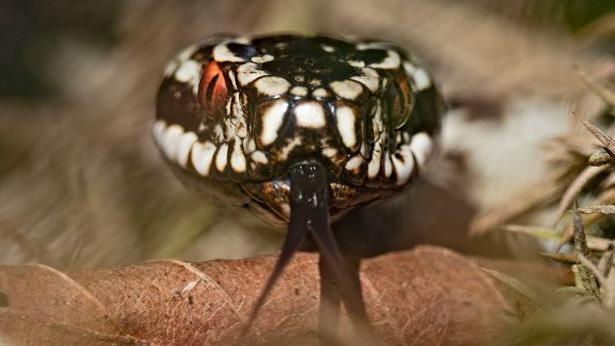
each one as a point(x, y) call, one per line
point(320, 93)
point(296, 141)
point(378, 127)
point(299, 91)
point(329, 152)
point(262, 58)
point(218, 133)
point(406, 137)
point(170, 68)
point(369, 78)
point(221, 157)
point(232, 77)
point(404, 164)
point(202, 156)
point(170, 141)
point(310, 115)
point(272, 120)
point(184, 55)
point(236, 124)
point(372, 45)
point(374, 165)
point(259, 157)
point(185, 145)
point(238, 160)
point(327, 48)
point(347, 89)
point(249, 144)
point(189, 72)
point(158, 131)
point(229, 104)
point(242, 40)
point(354, 163)
point(271, 85)
point(422, 147)
point(388, 169)
point(419, 77)
point(221, 53)
point(248, 72)
point(346, 125)
point(392, 61)
point(356, 63)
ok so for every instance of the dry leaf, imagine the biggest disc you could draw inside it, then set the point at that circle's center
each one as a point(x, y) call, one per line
point(426, 296)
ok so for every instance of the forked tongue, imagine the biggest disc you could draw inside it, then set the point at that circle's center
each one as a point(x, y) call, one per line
point(309, 213)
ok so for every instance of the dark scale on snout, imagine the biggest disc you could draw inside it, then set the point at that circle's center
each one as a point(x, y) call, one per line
point(259, 121)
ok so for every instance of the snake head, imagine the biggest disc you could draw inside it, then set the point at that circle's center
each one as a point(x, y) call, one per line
point(233, 114)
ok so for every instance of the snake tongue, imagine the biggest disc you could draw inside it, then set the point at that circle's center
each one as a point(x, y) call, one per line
point(309, 214)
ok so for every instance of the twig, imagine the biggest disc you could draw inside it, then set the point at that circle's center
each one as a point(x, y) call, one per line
point(580, 245)
point(575, 188)
point(606, 140)
point(589, 265)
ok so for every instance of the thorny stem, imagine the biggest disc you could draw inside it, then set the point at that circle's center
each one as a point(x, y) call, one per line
point(580, 245)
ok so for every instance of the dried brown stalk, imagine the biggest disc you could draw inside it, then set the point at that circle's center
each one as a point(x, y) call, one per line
point(580, 245)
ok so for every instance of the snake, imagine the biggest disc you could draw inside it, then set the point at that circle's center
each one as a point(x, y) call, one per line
point(299, 129)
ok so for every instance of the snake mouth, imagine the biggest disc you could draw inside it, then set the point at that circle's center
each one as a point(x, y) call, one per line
point(271, 201)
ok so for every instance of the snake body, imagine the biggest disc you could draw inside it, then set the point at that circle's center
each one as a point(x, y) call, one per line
point(301, 129)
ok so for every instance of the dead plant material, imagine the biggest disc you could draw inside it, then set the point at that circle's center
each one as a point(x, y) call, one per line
point(607, 141)
point(526, 202)
point(575, 188)
point(598, 209)
point(598, 87)
point(580, 245)
point(600, 157)
point(422, 297)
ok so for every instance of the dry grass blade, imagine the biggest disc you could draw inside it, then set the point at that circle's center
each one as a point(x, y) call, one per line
point(538, 232)
point(516, 285)
point(560, 257)
point(606, 140)
point(580, 245)
point(589, 265)
point(575, 188)
point(593, 243)
point(601, 90)
point(524, 202)
point(598, 209)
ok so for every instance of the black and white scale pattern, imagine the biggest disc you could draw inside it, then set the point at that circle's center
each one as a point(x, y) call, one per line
point(234, 113)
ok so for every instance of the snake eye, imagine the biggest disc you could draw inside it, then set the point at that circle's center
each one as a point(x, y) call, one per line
point(399, 101)
point(212, 89)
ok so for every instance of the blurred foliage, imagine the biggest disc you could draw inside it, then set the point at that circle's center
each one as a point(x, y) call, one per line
point(570, 15)
point(31, 30)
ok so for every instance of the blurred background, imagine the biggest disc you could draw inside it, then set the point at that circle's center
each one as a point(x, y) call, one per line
point(81, 182)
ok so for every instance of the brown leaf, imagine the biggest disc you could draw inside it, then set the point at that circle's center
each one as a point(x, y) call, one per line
point(426, 296)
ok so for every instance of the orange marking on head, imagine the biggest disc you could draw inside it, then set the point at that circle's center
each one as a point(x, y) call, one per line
point(212, 89)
